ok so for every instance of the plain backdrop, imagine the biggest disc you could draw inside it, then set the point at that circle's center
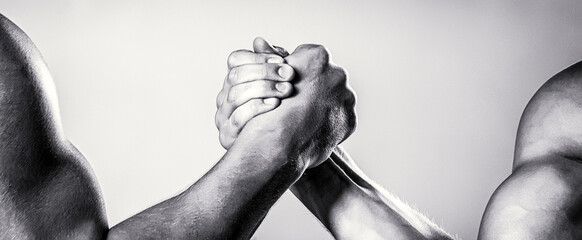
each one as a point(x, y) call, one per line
point(441, 86)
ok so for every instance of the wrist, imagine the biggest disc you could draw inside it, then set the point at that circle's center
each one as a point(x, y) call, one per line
point(270, 147)
point(322, 189)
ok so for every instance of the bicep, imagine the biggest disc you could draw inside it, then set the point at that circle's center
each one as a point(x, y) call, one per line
point(539, 200)
point(47, 189)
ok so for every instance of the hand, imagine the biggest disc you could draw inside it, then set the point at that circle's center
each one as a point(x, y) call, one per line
point(254, 84)
point(319, 116)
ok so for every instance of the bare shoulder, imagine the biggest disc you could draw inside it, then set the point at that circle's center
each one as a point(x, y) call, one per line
point(47, 189)
point(551, 121)
point(541, 199)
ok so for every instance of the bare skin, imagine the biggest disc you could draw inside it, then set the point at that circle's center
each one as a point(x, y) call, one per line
point(541, 199)
point(337, 192)
point(47, 189)
point(46, 186)
point(270, 154)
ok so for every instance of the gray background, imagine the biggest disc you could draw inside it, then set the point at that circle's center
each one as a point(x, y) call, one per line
point(441, 86)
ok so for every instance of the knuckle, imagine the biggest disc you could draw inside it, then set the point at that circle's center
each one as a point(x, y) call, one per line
point(255, 105)
point(260, 58)
point(267, 87)
point(319, 54)
point(218, 119)
point(320, 48)
point(302, 47)
point(225, 141)
point(311, 47)
point(267, 70)
point(353, 119)
point(233, 75)
point(340, 73)
point(221, 140)
point(320, 51)
point(343, 73)
point(219, 99)
point(267, 58)
point(235, 57)
point(316, 48)
point(352, 124)
point(235, 121)
point(351, 99)
point(232, 94)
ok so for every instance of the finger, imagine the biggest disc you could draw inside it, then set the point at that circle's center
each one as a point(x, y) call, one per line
point(226, 140)
point(242, 57)
point(246, 112)
point(230, 129)
point(260, 45)
point(242, 93)
point(220, 96)
point(252, 72)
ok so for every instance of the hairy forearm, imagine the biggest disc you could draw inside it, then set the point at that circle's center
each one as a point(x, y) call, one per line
point(353, 207)
point(539, 200)
point(227, 203)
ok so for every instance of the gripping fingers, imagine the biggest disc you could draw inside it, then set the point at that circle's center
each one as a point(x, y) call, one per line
point(242, 57)
point(253, 72)
point(252, 108)
point(242, 93)
point(268, 71)
point(239, 118)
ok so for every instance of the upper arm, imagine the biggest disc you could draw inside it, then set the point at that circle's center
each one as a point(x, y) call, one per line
point(541, 199)
point(47, 189)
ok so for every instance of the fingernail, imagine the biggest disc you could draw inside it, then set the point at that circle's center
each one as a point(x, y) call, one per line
point(282, 87)
point(275, 60)
point(285, 71)
point(281, 51)
point(270, 101)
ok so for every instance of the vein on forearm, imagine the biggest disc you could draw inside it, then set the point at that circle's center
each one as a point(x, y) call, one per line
point(351, 205)
point(227, 202)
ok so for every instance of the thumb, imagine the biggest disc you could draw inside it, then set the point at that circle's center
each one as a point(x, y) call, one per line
point(261, 45)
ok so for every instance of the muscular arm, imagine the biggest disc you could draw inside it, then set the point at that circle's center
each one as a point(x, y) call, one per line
point(226, 203)
point(230, 200)
point(270, 153)
point(346, 201)
point(541, 199)
point(47, 189)
point(352, 206)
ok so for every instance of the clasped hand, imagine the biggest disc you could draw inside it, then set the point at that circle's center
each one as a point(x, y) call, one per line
point(300, 104)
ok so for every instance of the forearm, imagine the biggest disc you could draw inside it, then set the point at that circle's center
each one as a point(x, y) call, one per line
point(353, 207)
point(227, 203)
